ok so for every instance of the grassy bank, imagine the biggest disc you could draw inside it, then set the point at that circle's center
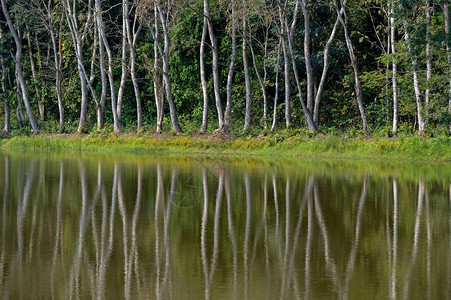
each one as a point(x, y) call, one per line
point(413, 148)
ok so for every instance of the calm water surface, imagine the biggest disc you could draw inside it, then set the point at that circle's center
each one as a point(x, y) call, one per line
point(160, 227)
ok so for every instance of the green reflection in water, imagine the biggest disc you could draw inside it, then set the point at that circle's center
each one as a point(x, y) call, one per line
point(173, 227)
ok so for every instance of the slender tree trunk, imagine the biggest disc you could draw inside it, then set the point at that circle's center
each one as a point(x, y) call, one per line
point(228, 110)
point(284, 33)
point(157, 82)
point(56, 57)
point(247, 76)
point(358, 86)
point(307, 113)
point(78, 39)
point(100, 107)
point(446, 14)
point(428, 60)
point(21, 81)
point(124, 68)
point(19, 111)
point(202, 77)
point(261, 81)
point(320, 89)
point(167, 83)
point(307, 54)
point(33, 74)
point(276, 96)
point(7, 125)
point(102, 37)
point(394, 70)
point(215, 65)
point(416, 83)
point(131, 38)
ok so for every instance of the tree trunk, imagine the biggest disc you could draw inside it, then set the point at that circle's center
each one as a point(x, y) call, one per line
point(428, 60)
point(228, 110)
point(394, 70)
point(276, 96)
point(21, 81)
point(19, 111)
point(131, 38)
point(416, 83)
point(102, 38)
point(78, 39)
point(124, 68)
point(157, 82)
point(33, 74)
point(247, 76)
point(307, 113)
point(215, 65)
point(100, 107)
point(320, 89)
point(167, 83)
point(262, 85)
point(202, 77)
point(358, 86)
point(307, 55)
point(445, 8)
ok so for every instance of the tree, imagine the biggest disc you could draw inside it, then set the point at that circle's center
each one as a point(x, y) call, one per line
point(20, 78)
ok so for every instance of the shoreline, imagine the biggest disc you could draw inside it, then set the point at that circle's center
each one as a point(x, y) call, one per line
point(411, 148)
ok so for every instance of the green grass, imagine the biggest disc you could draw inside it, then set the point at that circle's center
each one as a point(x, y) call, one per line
point(412, 148)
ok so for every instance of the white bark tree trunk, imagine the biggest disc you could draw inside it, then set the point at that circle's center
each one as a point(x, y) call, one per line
point(165, 58)
point(202, 76)
point(428, 60)
point(228, 110)
point(276, 95)
point(34, 76)
point(131, 38)
point(394, 69)
point(157, 81)
point(358, 87)
point(247, 76)
point(21, 81)
point(215, 65)
point(104, 40)
point(416, 83)
point(445, 8)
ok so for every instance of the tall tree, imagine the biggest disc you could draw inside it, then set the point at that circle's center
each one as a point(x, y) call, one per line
point(342, 16)
point(233, 24)
point(18, 62)
point(79, 32)
point(394, 66)
point(247, 76)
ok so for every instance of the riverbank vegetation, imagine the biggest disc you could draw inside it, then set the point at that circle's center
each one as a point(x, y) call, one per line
point(226, 66)
point(284, 145)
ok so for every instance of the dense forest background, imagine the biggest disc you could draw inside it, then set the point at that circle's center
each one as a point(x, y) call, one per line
point(379, 67)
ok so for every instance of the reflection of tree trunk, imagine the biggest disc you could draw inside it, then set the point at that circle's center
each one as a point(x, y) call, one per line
point(22, 206)
point(228, 191)
point(395, 241)
point(6, 175)
point(247, 233)
point(276, 208)
point(416, 236)
point(159, 213)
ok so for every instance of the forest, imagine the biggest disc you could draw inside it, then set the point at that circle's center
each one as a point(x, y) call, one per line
point(373, 67)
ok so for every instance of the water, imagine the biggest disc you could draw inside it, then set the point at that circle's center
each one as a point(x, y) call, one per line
point(171, 227)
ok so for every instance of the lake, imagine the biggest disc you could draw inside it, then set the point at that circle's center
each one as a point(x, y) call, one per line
point(112, 226)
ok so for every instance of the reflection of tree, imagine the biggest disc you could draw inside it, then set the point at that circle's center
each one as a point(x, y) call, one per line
point(416, 235)
point(163, 288)
point(22, 206)
point(209, 272)
point(231, 229)
point(341, 287)
point(6, 176)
